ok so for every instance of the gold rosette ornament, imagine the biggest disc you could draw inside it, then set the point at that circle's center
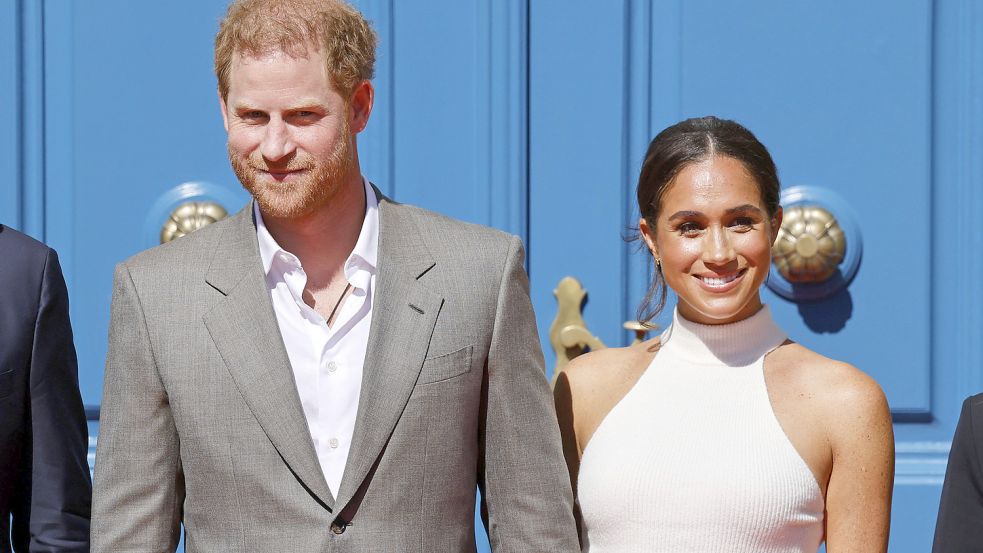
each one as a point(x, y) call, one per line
point(810, 245)
point(189, 217)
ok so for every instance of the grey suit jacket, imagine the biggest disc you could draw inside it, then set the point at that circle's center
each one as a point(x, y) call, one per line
point(201, 421)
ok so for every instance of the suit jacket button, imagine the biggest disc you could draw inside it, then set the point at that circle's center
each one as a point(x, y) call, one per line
point(337, 528)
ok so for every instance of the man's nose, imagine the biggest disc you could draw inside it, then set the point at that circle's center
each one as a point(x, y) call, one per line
point(717, 246)
point(277, 142)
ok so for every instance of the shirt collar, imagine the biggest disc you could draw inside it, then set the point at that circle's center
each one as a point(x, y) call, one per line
point(363, 256)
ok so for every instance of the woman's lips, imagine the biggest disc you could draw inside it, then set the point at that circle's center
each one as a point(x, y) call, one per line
point(720, 283)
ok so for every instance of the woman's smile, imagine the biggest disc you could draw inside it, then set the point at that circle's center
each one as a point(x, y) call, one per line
point(720, 284)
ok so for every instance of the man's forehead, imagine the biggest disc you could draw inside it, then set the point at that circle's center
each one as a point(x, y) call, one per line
point(277, 52)
point(277, 78)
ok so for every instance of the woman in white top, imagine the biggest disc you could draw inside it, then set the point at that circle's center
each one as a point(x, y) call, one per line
point(721, 434)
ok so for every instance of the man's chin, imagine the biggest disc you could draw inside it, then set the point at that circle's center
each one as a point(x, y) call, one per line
point(282, 208)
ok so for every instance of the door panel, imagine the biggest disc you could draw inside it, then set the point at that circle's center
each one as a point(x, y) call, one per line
point(141, 118)
point(879, 110)
point(10, 96)
point(459, 129)
point(840, 98)
point(533, 117)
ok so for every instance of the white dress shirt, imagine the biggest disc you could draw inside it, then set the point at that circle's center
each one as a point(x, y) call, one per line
point(326, 361)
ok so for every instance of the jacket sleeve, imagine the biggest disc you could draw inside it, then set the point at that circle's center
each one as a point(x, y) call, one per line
point(528, 505)
point(960, 524)
point(56, 489)
point(138, 487)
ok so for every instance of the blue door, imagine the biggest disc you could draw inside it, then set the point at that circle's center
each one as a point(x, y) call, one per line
point(872, 110)
point(533, 117)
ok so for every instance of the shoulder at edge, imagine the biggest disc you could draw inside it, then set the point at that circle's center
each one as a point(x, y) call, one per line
point(974, 403)
point(200, 242)
point(843, 384)
point(609, 364)
point(22, 241)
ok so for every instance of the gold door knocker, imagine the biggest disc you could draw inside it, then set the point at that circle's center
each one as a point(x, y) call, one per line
point(189, 217)
point(569, 335)
point(810, 245)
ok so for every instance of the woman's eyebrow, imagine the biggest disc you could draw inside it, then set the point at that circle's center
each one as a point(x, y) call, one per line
point(685, 215)
point(744, 209)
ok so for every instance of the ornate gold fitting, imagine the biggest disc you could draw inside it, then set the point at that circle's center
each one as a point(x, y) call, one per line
point(810, 245)
point(569, 334)
point(189, 217)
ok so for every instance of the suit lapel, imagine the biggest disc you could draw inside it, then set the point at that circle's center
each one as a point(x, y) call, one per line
point(403, 316)
point(244, 329)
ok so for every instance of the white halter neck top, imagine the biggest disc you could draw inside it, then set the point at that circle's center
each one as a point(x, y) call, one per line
point(693, 459)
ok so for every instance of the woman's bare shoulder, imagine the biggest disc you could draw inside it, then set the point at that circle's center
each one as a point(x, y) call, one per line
point(840, 389)
point(593, 383)
point(610, 367)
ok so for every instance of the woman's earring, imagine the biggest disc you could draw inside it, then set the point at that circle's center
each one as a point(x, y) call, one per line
point(658, 264)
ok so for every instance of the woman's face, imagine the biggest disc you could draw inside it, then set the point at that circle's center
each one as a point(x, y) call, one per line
point(713, 236)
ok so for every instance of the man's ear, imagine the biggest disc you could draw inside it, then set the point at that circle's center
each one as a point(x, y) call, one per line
point(776, 224)
point(649, 236)
point(225, 111)
point(360, 106)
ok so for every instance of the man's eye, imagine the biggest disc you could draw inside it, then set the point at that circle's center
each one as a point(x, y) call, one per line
point(304, 117)
point(253, 115)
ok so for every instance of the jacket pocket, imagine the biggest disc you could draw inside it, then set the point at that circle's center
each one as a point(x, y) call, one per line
point(446, 366)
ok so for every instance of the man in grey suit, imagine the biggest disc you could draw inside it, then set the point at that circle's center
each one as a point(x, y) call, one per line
point(327, 370)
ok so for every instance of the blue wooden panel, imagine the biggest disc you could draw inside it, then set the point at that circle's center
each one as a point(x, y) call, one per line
point(578, 182)
point(913, 518)
point(31, 108)
point(22, 97)
point(129, 119)
point(375, 143)
point(958, 201)
point(59, 175)
point(886, 113)
point(458, 119)
point(9, 111)
point(818, 102)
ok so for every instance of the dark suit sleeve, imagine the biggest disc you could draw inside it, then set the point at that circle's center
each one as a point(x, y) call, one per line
point(960, 523)
point(56, 492)
point(528, 505)
point(139, 486)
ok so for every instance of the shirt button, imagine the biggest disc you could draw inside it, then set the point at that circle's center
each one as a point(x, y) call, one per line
point(332, 366)
point(333, 443)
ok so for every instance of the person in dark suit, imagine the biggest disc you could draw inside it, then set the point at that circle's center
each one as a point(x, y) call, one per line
point(45, 490)
point(960, 524)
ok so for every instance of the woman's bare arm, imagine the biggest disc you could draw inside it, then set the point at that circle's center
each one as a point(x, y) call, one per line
point(858, 498)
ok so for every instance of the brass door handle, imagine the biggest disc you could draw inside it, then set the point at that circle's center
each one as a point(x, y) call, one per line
point(569, 335)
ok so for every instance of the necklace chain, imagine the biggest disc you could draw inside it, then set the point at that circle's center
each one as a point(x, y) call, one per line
point(338, 303)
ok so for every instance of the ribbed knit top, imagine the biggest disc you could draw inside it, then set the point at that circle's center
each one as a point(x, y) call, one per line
point(693, 459)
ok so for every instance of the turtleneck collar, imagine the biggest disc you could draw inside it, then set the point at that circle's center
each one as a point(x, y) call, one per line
point(735, 344)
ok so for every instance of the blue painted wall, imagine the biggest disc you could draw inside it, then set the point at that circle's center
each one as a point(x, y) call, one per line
point(533, 117)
